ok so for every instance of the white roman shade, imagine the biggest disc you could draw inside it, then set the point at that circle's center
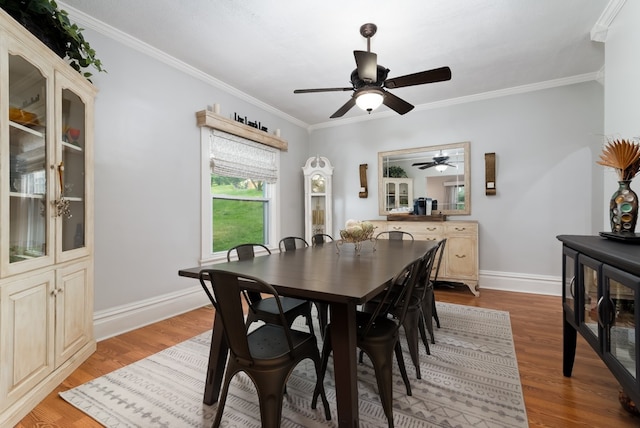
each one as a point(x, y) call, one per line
point(234, 156)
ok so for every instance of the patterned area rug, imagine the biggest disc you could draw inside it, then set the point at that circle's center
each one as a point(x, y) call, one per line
point(470, 380)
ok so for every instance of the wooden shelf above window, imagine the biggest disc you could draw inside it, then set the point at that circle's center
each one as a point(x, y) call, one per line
point(210, 119)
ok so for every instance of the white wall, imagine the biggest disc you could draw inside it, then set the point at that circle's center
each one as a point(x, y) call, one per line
point(546, 143)
point(147, 176)
point(622, 117)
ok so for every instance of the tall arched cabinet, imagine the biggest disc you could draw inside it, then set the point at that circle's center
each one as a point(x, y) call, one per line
point(318, 205)
point(46, 220)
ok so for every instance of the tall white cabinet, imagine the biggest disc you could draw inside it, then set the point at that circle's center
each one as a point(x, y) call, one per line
point(46, 220)
point(318, 205)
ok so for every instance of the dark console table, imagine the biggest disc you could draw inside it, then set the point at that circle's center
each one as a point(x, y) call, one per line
point(601, 291)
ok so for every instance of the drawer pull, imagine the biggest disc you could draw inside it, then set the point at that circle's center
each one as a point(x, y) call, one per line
point(396, 227)
point(460, 229)
point(461, 256)
point(572, 287)
point(431, 229)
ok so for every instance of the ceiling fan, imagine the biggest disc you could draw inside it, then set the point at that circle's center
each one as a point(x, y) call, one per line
point(440, 162)
point(369, 81)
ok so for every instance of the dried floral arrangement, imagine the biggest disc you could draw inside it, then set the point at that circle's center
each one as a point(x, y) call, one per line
point(623, 156)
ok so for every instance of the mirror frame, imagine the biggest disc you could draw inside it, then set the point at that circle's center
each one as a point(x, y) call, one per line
point(444, 147)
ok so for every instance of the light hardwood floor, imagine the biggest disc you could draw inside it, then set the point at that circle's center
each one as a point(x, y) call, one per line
point(588, 399)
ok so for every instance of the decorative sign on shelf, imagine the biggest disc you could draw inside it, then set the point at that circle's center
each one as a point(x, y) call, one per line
point(254, 124)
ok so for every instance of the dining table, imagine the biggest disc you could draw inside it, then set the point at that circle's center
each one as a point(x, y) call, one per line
point(333, 273)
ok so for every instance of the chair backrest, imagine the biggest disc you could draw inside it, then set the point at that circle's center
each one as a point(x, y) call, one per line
point(423, 279)
point(320, 238)
point(438, 259)
point(394, 235)
point(226, 288)
point(291, 243)
point(392, 298)
point(245, 251)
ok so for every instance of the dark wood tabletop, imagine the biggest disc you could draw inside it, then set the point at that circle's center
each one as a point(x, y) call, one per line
point(344, 280)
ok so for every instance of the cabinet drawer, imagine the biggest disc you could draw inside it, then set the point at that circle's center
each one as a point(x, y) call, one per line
point(461, 229)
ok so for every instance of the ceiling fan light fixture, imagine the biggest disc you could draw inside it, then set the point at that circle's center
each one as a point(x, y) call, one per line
point(441, 168)
point(369, 99)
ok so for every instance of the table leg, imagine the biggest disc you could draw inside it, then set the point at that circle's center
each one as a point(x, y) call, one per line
point(217, 361)
point(343, 342)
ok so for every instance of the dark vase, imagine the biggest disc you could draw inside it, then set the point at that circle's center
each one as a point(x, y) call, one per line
point(624, 208)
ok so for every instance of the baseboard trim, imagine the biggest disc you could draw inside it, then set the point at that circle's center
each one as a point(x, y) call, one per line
point(121, 319)
point(521, 283)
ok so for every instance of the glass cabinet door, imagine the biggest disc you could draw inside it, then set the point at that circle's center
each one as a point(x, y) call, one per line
point(403, 195)
point(318, 204)
point(591, 299)
point(70, 187)
point(390, 195)
point(621, 293)
point(28, 158)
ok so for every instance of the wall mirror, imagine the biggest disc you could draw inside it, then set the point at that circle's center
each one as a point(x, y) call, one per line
point(440, 173)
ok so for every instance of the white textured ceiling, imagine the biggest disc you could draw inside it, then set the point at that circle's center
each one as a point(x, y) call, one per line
point(268, 48)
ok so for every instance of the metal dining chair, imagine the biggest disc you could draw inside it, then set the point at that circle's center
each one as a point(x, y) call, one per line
point(413, 321)
point(291, 243)
point(265, 309)
point(320, 238)
point(378, 336)
point(394, 235)
point(429, 308)
point(267, 354)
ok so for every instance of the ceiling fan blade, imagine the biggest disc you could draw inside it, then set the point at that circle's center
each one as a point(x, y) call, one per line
point(345, 108)
point(397, 104)
point(430, 76)
point(306, 91)
point(429, 165)
point(367, 63)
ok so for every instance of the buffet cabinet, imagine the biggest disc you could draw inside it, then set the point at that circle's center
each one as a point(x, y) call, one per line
point(460, 259)
point(601, 289)
point(46, 221)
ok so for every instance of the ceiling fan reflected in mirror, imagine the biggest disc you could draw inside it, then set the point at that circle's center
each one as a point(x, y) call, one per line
point(369, 81)
point(439, 162)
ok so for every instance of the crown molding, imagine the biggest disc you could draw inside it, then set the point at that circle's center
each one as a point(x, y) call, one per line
point(126, 39)
point(601, 27)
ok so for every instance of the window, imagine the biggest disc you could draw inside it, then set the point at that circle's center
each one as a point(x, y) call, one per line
point(239, 192)
point(240, 211)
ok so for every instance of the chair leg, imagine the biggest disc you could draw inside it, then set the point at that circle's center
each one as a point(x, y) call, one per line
point(326, 350)
point(223, 396)
point(270, 394)
point(435, 313)
point(402, 368)
point(410, 325)
point(320, 388)
point(427, 309)
point(382, 366)
point(323, 316)
point(423, 333)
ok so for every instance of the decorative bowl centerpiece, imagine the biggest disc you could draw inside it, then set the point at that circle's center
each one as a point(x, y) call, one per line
point(356, 232)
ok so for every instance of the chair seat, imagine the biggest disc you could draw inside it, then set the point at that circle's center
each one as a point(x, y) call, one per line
point(269, 342)
point(271, 306)
point(382, 330)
